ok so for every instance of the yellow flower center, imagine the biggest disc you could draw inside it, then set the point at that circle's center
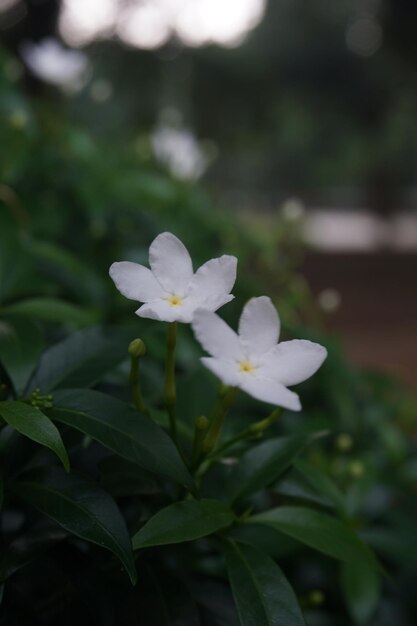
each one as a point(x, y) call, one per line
point(175, 301)
point(247, 367)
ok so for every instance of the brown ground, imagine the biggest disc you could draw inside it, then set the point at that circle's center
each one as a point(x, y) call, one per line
point(377, 318)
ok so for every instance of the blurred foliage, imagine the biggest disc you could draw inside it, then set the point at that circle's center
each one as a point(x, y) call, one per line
point(72, 202)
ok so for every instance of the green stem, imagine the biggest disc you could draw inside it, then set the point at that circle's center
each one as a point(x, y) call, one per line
point(170, 393)
point(200, 429)
point(135, 385)
point(3, 391)
point(253, 431)
point(216, 425)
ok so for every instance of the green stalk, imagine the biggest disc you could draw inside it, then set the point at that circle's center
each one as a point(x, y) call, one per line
point(137, 350)
point(216, 425)
point(170, 393)
point(200, 429)
point(254, 431)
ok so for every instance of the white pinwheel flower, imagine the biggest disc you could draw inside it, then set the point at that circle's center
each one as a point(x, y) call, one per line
point(252, 359)
point(171, 290)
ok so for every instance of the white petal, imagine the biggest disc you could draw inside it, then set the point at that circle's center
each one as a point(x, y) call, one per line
point(227, 371)
point(259, 326)
point(215, 302)
point(163, 311)
point(271, 392)
point(216, 337)
point(214, 278)
point(135, 281)
point(171, 263)
point(292, 362)
point(158, 310)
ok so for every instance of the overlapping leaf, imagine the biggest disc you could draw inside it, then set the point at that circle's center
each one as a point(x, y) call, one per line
point(82, 508)
point(184, 521)
point(123, 430)
point(32, 423)
point(262, 594)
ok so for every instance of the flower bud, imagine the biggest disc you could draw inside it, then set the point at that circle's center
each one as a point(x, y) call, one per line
point(137, 348)
point(201, 423)
point(344, 442)
point(316, 597)
point(356, 469)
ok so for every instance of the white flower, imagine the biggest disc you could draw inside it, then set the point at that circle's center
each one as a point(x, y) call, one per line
point(54, 64)
point(252, 359)
point(170, 289)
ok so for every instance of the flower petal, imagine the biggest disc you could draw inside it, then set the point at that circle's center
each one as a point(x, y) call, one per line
point(292, 362)
point(214, 278)
point(216, 337)
point(271, 391)
point(162, 311)
point(225, 370)
point(259, 326)
point(171, 263)
point(135, 281)
point(215, 302)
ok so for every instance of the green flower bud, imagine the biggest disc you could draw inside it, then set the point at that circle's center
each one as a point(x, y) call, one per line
point(137, 348)
point(356, 469)
point(344, 442)
point(316, 597)
point(201, 423)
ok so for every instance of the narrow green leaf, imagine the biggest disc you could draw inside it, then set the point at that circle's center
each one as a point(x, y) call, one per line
point(184, 521)
point(124, 478)
point(308, 482)
point(51, 310)
point(266, 539)
point(294, 485)
point(361, 585)
point(262, 594)
point(31, 422)
point(322, 483)
point(317, 530)
point(82, 508)
point(123, 430)
point(81, 359)
point(20, 348)
point(263, 464)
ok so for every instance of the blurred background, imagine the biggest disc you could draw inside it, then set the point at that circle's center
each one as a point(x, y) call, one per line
point(281, 131)
point(295, 121)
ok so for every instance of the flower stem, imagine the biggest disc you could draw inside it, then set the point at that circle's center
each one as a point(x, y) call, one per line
point(135, 386)
point(3, 391)
point(200, 429)
point(136, 351)
point(170, 393)
point(216, 425)
point(253, 431)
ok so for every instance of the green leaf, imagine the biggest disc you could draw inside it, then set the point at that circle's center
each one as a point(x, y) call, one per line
point(262, 594)
point(20, 347)
point(317, 530)
point(31, 422)
point(184, 521)
point(51, 310)
point(123, 478)
point(81, 359)
point(322, 483)
point(82, 508)
point(294, 485)
point(81, 279)
point(361, 585)
point(309, 482)
point(263, 464)
point(264, 538)
point(123, 430)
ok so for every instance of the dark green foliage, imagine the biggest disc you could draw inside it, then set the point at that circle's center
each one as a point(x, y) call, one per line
point(209, 544)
